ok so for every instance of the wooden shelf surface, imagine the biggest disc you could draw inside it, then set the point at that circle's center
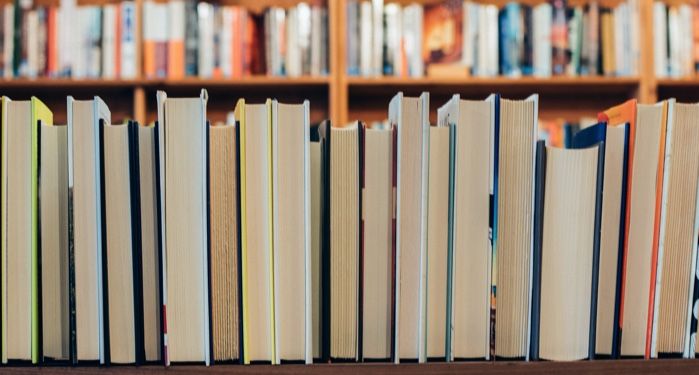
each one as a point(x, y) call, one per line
point(146, 82)
point(602, 367)
point(598, 81)
point(679, 82)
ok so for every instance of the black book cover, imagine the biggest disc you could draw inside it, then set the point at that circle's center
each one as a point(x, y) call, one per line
point(360, 277)
point(595, 251)
point(158, 228)
point(239, 254)
point(207, 187)
point(324, 137)
point(539, 191)
point(103, 224)
point(137, 251)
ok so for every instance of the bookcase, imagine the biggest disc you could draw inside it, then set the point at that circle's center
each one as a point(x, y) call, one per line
point(344, 98)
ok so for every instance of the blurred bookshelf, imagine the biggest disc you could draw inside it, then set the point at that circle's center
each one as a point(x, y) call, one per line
point(343, 97)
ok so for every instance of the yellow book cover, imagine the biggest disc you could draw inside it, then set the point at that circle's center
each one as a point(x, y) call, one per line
point(40, 113)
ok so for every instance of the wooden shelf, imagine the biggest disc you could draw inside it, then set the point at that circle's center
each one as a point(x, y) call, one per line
point(602, 367)
point(146, 82)
point(560, 81)
point(679, 82)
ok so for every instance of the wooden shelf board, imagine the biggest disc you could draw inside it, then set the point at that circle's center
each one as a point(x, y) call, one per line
point(495, 81)
point(184, 82)
point(620, 367)
point(678, 82)
point(244, 81)
point(46, 83)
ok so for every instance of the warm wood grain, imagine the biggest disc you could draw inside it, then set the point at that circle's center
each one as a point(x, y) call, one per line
point(617, 367)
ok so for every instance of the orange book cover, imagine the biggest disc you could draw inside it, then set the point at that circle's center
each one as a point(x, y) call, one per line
point(150, 68)
point(236, 42)
point(175, 59)
point(621, 114)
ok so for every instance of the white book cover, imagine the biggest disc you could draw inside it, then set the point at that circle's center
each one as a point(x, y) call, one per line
point(674, 38)
point(397, 110)
point(542, 39)
point(292, 59)
point(278, 193)
point(470, 33)
point(660, 39)
point(32, 44)
point(365, 36)
point(206, 40)
point(128, 53)
point(109, 25)
point(161, 100)
point(226, 45)
point(377, 38)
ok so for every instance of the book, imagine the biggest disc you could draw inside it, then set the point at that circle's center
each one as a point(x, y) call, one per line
point(225, 241)
point(183, 169)
point(341, 163)
point(437, 254)
point(645, 169)
point(317, 194)
point(53, 216)
point(155, 39)
point(122, 251)
point(378, 225)
point(513, 147)
point(542, 23)
point(442, 33)
point(290, 127)
point(678, 234)
point(613, 220)
point(151, 240)
point(470, 259)
point(87, 239)
point(176, 39)
point(569, 250)
point(257, 247)
point(409, 116)
point(21, 121)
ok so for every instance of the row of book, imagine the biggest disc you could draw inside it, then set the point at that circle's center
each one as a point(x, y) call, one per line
point(455, 37)
point(675, 39)
point(271, 240)
point(179, 38)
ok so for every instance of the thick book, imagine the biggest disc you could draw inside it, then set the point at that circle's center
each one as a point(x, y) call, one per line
point(648, 125)
point(257, 230)
point(378, 240)
point(342, 237)
point(438, 282)
point(183, 170)
point(678, 235)
point(291, 229)
point(409, 116)
point(149, 191)
point(87, 238)
point(225, 242)
point(568, 251)
point(616, 142)
point(513, 151)
point(21, 122)
point(122, 258)
point(53, 222)
point(470, 255)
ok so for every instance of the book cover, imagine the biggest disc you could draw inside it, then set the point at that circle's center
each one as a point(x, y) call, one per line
point(442, 27)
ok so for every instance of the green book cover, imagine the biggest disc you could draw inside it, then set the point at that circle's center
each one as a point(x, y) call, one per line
point(450, 241)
